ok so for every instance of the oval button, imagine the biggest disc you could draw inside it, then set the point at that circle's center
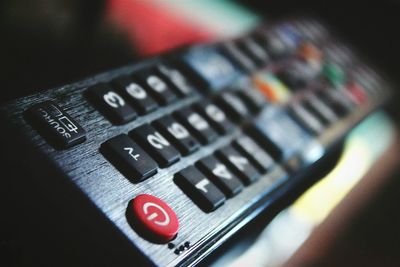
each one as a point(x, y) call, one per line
point(156, 220)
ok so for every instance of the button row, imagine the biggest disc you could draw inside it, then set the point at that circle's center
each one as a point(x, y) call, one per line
point(143, 92)
point(164, 141)
point(217, 67)
point(229, 169)
point(190, 127)
point(257, 50)
point(316, 111)
point(226, 172)
point(223, 175)
point(135, 163)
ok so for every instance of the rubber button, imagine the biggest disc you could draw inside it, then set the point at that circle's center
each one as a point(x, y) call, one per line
point(136, 95)
point(216, 116)
point(129, 158)
point(199, 189)
point(234, 106)
point(156, 144)
point(198, 125)
point(153, 218)
point(55, 125)
point(177, 134)
point(111, 104)
point(156, 86)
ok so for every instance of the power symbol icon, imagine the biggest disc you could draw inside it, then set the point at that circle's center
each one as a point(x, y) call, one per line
point(155, 215)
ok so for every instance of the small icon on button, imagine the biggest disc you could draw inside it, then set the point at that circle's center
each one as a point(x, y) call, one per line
point(154, 215)
point(152, 218)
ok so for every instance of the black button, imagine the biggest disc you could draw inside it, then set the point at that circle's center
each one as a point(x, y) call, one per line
point(336, 100)
point(197, 125)
point(239, 164)
point(129, 158)
point(177, 134)
point(298, 74)
point(136, 95)
point(320, 109)
point(232, 51)
point(216, 116)
point(156, 86)
point(255, 51)
point(54, 124)
point(177, 79)
point(234, 106)
point(111, 104)
point(261, 159)
point(305, 119)
point(274, 45)
point(199, 189)
point(218, 173)
point(157, 145)
point(253, 98)
point(292, 78)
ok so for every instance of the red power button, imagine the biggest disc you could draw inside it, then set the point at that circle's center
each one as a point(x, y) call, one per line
point(154, 218)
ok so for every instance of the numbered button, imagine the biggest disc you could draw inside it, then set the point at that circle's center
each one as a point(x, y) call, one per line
point(129, 158)
point(239, 164)
point(232, 51)
point(220, 175)
point(111, 104)
point(254, 50)
point(254, 152)
point(156, 86)
point(216, 116)
point(306, 119)
point(199, 126)
point(177, 134)
point(337, 101)
point(177, 79)
point(157, 145)
point(136, 95)
point(253, 98)
point(320, 109)
point(199, 189)
point(234, 106)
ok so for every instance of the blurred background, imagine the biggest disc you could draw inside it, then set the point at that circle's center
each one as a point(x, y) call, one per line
point(350, 218)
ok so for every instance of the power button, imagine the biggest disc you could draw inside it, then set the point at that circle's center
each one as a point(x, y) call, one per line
point(153, 218)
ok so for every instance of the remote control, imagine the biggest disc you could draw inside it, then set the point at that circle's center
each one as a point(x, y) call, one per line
point(172, 155)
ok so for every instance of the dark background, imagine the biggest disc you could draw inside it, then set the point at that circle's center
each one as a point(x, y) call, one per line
point(45, 43)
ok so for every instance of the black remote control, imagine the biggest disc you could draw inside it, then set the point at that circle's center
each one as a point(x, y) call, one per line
point(175, 154)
